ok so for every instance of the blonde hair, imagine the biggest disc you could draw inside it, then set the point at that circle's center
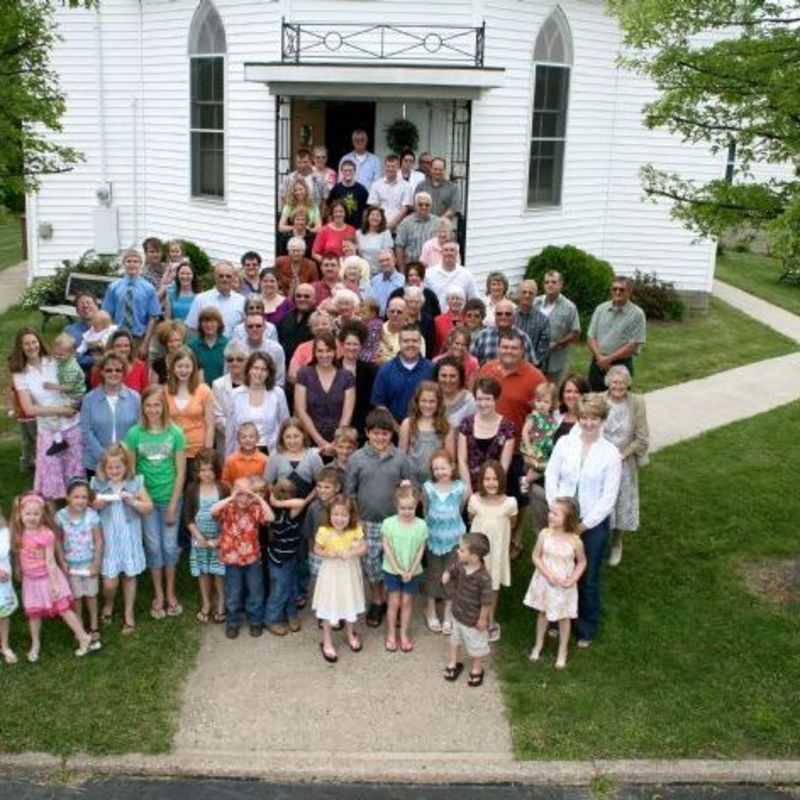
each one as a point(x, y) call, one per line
point(592, 405)
point(346, 434)
point(66, 341)
point(116, 451)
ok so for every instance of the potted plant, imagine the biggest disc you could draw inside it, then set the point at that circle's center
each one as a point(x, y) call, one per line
point(402, 134)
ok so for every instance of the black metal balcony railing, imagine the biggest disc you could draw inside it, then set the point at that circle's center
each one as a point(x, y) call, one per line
point(315, 42)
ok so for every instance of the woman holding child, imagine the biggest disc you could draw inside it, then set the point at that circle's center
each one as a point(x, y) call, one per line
point(59, 444)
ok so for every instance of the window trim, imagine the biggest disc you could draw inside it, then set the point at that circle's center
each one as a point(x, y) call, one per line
point(569, 49)
point(193, 36)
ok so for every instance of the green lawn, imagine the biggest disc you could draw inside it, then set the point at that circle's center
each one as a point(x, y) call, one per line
point(10, 242)
point(687, 664)
point(701, 345)
point(758, 275)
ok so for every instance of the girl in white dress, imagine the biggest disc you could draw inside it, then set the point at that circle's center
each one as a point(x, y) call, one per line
point(560, 561)
point(339, 593)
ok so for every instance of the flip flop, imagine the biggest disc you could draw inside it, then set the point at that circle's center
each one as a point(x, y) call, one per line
point(157, 613)
point(218, 617)
point(451, 673)
point(202, 617)
point(331, 659)
point(127, 629)
point(357, 647)
point(174, 610)
point(406, 647)
point(475, 679)
point(391, 647)
point(106, 618)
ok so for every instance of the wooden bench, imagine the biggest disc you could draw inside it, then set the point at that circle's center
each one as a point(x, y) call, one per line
point(78, 282)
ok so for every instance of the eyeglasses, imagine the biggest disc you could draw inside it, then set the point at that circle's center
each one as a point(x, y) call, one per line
point(235, 358)
point(396, 311)
point(504, 313)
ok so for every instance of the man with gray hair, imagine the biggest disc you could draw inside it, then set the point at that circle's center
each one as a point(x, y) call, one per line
point(294, 268)
point(444, 193)
point(450, 273)
point(386, 281)
point(565, 326)
point(485, 346)
point(222, 297)
point(415, 230)
point(529, 319)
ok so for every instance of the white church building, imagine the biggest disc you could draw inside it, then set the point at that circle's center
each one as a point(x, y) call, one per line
point(188, 112)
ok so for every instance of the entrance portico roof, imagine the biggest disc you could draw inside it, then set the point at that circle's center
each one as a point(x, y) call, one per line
point(374, 80)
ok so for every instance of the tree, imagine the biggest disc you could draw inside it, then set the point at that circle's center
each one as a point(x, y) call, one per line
point(31, 102)
point(727, 73)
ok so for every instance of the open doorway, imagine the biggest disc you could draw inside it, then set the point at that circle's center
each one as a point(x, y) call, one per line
point(341, 119)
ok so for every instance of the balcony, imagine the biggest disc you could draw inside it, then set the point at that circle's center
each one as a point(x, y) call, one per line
point(406, 45)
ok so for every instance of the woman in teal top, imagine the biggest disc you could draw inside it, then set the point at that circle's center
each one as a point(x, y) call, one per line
point(159, 450)
point(181, 293)
point(209, 345)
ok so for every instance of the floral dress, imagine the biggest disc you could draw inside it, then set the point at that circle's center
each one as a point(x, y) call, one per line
point(619, 431)
point(557, 602)
point(482, 450)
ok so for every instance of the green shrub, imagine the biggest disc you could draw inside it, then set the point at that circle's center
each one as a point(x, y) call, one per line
point(201, 263)
point(587, 279)
point(658, 299)
point(51, 290)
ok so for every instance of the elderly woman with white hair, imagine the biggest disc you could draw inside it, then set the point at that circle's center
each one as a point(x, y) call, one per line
point(354, 275)
point(626, 428)
point(431, 253)
point(454, 316)
point(345, 305)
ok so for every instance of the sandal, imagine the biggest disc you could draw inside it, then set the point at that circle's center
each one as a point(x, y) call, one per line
point(218, 617)
point(433, 624)
point(94, 635)
point(451, 673)
point(9, 656)
point(157, 612)
point(174, 609)
point(331, 659)
point(390, 646)
point(355, 643)
point(475, 679)
point(128, 629)
point(406, 647)
point(106, 618)
point(202, 617)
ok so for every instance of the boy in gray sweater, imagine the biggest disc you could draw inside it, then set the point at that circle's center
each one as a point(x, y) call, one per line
point(373, 474)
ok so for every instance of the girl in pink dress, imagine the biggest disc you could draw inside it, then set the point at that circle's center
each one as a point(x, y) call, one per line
point(45, 589)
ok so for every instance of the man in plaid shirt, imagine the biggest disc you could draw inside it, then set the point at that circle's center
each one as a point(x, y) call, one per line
point(485, 345)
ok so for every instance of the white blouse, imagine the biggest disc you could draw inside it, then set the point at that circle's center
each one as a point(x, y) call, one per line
point(267, 417)
point(594, 483)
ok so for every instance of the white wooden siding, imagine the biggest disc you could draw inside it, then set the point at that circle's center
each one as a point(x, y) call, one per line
point(601, 200)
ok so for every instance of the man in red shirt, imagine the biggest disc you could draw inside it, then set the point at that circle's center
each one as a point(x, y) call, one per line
point(518, 380)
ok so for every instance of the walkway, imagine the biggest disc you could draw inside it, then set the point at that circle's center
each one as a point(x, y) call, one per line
point(385, 714)
point(13, 282)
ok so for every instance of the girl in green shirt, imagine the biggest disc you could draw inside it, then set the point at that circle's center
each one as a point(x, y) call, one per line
point(404, 536)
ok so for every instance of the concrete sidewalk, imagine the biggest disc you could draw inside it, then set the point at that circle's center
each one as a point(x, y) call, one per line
point(13, 282)
point(773, 317)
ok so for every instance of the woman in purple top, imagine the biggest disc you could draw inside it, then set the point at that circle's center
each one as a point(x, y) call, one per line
point(486, 436)
point(324, 395)
point(276, 306)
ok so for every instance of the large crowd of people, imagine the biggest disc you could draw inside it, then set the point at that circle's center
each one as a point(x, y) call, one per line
point(344, 429)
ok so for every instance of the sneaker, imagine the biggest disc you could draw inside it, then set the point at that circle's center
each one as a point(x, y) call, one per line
point(494, 633)
point(433, 624)
point(57, 447)
point(231, 631)
point(256, 630)
point(295, 625)
point(278, 630)
point(616, 554)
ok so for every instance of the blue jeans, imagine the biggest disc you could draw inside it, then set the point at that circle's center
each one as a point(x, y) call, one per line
point(595, 542)
point(161, 539)
point(281, 604)
point(302, 572)
point(238, 580)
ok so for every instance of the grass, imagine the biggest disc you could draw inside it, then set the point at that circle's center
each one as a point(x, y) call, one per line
point(701, 345)
point(758, 275)
point(125, 698)
point(10, 242)
point(687, 664)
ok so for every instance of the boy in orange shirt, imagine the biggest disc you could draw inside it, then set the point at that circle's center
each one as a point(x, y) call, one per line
point(248, 461)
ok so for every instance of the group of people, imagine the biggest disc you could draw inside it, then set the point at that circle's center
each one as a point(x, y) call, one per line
point(332, 433)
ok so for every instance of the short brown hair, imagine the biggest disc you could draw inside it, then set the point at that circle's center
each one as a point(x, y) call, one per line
point(477, 544)
point(211, 313)
point(499, 473)
point(488, 385)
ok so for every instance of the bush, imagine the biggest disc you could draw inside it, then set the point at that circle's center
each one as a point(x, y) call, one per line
point(201, 263)
point(51, 291)
point(658, 299)
point(587, 280)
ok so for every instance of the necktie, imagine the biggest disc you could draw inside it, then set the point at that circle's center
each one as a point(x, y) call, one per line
point(127, 309)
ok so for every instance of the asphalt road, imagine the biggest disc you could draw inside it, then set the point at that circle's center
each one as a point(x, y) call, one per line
point(131, 789)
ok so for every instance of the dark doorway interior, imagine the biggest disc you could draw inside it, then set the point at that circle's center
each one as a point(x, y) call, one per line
point(341, 119)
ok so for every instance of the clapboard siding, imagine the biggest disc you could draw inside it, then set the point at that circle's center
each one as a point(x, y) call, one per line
point(147, 124)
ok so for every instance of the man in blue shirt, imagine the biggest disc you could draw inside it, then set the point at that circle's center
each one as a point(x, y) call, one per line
point(397, 380)
point(368, 165)
point(133, 303)
point(386, 281)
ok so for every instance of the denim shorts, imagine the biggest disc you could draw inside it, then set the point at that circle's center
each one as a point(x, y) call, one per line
point(394, 583)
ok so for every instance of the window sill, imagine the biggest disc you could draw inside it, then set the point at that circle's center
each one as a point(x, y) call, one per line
point(208, 200)
point(543, 209)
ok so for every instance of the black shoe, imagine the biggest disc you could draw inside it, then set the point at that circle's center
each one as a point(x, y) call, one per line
point(256, 630)
point(232, 631)
point(374, 615)
point(57, 447)
point(383, 607)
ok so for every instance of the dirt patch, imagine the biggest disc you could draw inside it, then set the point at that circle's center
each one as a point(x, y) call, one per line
point(773, 579)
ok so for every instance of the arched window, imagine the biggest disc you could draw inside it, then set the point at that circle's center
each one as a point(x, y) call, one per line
point(552, 55)
point(207, 80)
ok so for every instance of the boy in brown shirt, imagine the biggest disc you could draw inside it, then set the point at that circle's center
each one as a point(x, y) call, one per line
point(471, 591)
